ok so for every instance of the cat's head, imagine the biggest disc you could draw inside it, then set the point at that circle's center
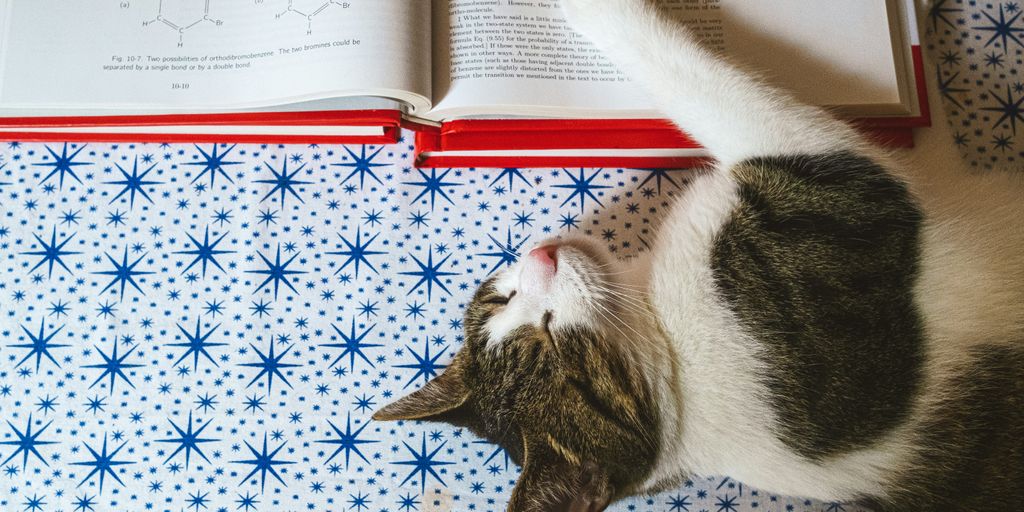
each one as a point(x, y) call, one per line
point(548, 374)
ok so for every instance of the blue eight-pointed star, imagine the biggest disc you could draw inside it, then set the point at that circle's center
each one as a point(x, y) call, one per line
point(213, 164)
point(270, 366)
point(507, 253)
point(283, 182)
point(277, 272)
point(347, 440)
point(264, 463)
point(197, 345)
point(114, 367)
point(123, 273)
point(429, 273)
point(433, 185)
point(357, 252)
point(62, 164)
point(362, 165)
point(27, 443)
point(188, 440)
point(424, 463)
point(425, 366)
point(52, 252)
point(103, 463)
point(133, 183)
point(582, 187)
point(205, 251)
point(353, 345)
point(40, 345)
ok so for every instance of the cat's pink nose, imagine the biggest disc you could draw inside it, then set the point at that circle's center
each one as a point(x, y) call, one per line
point(546, 255)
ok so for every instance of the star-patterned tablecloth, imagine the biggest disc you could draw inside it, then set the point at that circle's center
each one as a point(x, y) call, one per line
point(977, 51)
point(209, 328)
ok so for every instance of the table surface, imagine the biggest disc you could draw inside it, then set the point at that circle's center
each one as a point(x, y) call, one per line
point(188, 326)
point(210, 327)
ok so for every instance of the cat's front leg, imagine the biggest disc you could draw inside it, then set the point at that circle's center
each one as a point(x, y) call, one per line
point(731, 113)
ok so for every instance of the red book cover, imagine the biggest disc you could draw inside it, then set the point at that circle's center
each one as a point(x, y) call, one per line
point(264, 127)
point(586, 142)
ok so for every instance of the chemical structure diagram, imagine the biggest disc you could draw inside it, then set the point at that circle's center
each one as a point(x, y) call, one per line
point(311, 12)
point(180, 25)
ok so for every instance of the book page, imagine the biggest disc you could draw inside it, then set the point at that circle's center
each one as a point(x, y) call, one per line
point(210, 55)
point(521, 58)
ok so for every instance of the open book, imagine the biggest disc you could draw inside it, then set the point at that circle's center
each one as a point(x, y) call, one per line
point(459, 71)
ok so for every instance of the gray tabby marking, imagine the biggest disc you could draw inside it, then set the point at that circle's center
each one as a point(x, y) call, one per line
point(973, 458)
point(818, 262)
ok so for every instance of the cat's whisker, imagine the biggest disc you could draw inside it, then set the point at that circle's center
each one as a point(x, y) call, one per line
point(636, 356)
point(624, 299)
point(648, 368)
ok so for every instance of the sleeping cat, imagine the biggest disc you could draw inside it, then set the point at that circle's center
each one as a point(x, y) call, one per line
point(814, 319)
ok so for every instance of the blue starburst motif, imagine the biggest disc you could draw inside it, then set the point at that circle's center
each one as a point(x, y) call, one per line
point(511, 173)
point(103, 463)
point(429, 273)
point(494, 453)
point(213, 163)
point(726, 503)
point(39, 345)
point(195, 500)
point(433, 185)
point(34, 504)
point(52, 252)
point(423, 463)
point(1002, 29)
point(123, 273)
point(26, 443)
point(357, 253)
point(1010, 109)
point(582, 187)
point(507, 253)
point(947, 89)
point(362, 165)
point(277, 272)
point(283, 182)
point(408, 503)
point(679, 503)
point(205, 251)
point(270, 365)
point(939, 11)
point(62, 164)
point(85, 503)
point(348, 441)
point(425, 366)
point(197, 344)
point(353, 345)
point(113, 367)
point(264, 463)
point(133, 183)
point(657, 175)
point(246, 502)
point(188, 440)
point(359, 501)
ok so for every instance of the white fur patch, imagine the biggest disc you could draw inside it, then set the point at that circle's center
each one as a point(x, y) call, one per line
point(564, 295)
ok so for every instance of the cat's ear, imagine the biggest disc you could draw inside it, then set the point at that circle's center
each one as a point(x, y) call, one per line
point(549, 483)
point(441, 399)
